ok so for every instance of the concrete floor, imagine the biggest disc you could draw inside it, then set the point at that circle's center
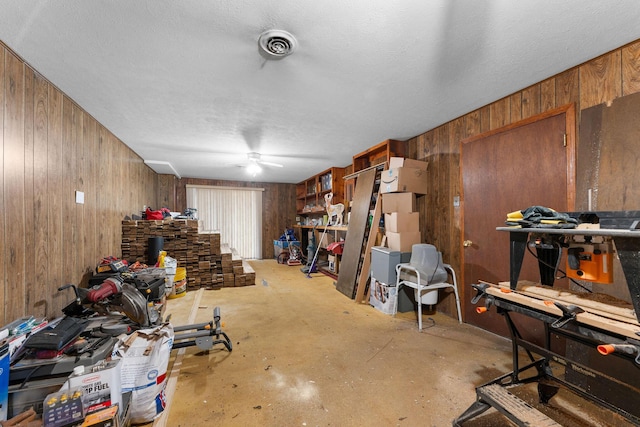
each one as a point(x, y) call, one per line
point(306, 355)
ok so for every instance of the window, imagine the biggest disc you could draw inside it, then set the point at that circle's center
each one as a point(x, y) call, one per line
point(234, 212)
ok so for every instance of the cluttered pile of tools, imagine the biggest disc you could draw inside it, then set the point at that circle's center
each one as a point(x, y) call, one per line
point(123, 303)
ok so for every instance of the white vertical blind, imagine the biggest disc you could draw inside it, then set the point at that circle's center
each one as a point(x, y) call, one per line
point(236, 213)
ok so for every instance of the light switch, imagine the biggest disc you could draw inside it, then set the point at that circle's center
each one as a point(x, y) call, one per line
point(80, 197)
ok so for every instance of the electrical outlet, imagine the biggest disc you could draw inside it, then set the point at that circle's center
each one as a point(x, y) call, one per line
point(456, 201)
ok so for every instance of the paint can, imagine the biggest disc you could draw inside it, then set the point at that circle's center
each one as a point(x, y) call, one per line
point(179, 288)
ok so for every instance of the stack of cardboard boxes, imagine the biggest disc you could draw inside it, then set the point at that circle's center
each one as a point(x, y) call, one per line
point(399, 186)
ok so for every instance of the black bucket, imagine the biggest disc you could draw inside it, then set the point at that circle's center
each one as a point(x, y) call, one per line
point(155, 246)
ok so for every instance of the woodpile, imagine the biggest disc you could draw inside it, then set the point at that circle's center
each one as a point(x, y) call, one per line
point(209, 263)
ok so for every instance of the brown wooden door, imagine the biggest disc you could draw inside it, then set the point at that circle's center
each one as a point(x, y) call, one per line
point(523, 165)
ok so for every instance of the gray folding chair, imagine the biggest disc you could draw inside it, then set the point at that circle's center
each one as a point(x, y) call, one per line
point(426, 274)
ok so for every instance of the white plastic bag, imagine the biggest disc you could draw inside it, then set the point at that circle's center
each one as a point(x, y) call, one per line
point(145, 358)
point(170, 265)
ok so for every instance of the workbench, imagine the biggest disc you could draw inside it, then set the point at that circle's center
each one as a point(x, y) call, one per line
point(584, 372)
point(627, 244)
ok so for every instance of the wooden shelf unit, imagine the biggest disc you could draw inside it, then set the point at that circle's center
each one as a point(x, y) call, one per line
point(379, 153)
point(332, 234)
point(310, 192)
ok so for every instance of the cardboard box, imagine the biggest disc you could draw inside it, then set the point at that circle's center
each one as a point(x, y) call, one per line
point(399, 162)
point(402, 242)
point(382, 296)
point(398, 202)
point(334, 262)
point(412, 180)
point(101, 385)
point(107, 417)
point(63, 408)
point(398, 222)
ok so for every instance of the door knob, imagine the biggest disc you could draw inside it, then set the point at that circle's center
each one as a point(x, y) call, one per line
point(467, 243)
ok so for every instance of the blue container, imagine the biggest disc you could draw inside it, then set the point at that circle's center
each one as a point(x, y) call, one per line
point(4, 381)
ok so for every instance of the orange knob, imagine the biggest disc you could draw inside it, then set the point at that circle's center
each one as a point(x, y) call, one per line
point(481, 310)
point(606, 349)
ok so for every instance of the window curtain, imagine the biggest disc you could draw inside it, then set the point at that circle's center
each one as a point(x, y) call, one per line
point(236, 213)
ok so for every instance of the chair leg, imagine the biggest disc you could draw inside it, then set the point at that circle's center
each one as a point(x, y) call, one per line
point(458, 304)
point(455, 292)
point(419, 299)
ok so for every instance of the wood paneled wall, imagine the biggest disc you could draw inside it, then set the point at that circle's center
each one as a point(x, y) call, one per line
point(50, 149)
point(278, 205)
point(600, 80)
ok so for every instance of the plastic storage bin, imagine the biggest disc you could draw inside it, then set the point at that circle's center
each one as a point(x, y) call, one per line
point(383, 270)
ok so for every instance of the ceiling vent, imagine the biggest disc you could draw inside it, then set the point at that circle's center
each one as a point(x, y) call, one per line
point(276, 44)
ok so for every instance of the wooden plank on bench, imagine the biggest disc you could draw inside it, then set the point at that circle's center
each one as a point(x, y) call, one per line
point(621, 328)
point(597, 303)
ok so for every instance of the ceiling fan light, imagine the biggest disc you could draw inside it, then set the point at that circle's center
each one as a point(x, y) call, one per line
point(253, 169)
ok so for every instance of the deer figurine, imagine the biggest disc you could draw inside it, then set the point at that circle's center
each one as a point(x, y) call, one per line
point(333, 210)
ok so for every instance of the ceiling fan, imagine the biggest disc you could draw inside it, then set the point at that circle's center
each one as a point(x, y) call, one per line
point(255, 162)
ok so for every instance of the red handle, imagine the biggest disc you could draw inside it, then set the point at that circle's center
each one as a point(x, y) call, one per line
point(107, 288)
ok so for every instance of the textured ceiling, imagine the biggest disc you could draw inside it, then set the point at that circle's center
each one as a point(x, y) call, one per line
point(184, 82)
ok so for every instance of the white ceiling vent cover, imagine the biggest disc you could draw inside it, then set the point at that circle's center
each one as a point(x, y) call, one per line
point(276, 44)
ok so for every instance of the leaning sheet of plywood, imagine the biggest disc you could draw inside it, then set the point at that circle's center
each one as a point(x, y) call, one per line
point(604, 323)
point(352, 251)
point(597, 303)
